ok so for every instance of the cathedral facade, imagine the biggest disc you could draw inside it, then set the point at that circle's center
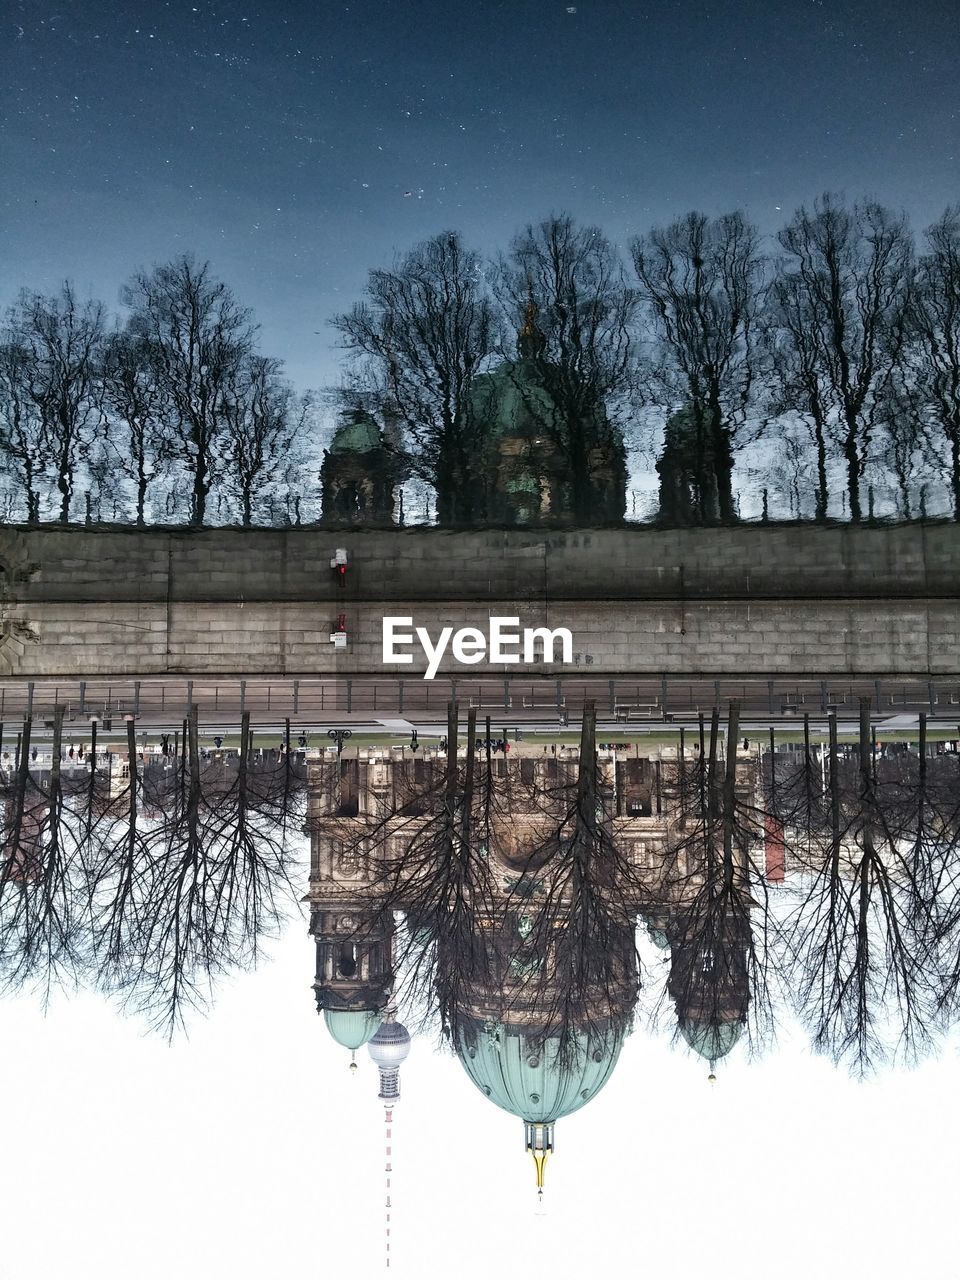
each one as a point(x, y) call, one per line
point(535, 978)
point(360, 473)
point(531, 444)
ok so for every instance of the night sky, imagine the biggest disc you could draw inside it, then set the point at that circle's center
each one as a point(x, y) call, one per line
point(297, 144)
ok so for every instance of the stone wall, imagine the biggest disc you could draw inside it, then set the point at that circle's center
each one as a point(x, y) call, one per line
point(758, 600)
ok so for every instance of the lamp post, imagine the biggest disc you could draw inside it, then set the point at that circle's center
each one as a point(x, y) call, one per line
point(339, 736)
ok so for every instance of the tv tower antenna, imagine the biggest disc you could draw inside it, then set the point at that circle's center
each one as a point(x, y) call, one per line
point(388, 1049)
point(388, 1167)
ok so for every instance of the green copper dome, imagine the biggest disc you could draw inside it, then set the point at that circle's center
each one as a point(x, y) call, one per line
point(712, 1040)
point(359, 435)
point(512, 400)
point(352, 1028)
point(525, 1078)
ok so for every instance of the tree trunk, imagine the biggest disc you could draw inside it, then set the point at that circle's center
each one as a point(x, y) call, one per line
point(822, 490)
point(583, 506)
point(587, 769)
point(201, 487)
point(730, 790)
point(13, 827)
point(134, 776)
point(722, 466)
point(852, 455)
point(453, 729)
point(468, 786)
point(954, 434)
point(713, 800)
point(63, 484)
point(141, 489)
point(834, 784)
point(445, 486)
point(867, 758)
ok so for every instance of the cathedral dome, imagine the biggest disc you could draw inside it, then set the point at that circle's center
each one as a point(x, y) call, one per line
point(360, 472)
point(526, 1076)
point(513, 400)
point(351, 1028)
point(359, 434)
point(543, 450)
point(711, 1040)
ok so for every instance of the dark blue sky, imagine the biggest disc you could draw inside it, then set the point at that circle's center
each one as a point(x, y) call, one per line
point(279, 139)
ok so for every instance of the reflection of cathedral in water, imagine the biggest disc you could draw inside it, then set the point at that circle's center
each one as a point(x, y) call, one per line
point(530, 444)
point(538, 995)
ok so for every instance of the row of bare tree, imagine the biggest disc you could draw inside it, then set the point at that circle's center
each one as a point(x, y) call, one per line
point(155, 887)
point(149, 885)
point(163, 416)
point(861, 940)
point(823, 363)
point(838, 350)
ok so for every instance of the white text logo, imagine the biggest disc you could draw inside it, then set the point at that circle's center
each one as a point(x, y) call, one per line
point(503, 642)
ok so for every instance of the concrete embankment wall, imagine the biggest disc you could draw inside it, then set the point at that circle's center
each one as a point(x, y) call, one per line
point(754, 600)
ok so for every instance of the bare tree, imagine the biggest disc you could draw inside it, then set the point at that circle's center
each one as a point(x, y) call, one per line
point(423, 332)
point(43, 934)
point(137, 439)
point(839, 306)
point(932, 377)
point(567, 284)
point(930, 839)
point(905, 445)
point(436, 870)
point(118, 867)
point(917, 806)
point(192, 894)
point(860, 938)
point(198, 337)
point(791, 475)
point(58, 341)
point(23, 443)
point(251, 833)
point(794, 353)
point(702, 282)
point(262, 424)
point(515, 914)
point(713, 906)
point(583, 916)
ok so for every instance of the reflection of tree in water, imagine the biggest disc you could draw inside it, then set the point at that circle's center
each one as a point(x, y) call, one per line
point(873, 843)
point(42, 938)
point(213, 883)
point(152, 887)
point(507, 874)
point(713, 908)
point(503, 893)
point(822, 879)
point(469, 845)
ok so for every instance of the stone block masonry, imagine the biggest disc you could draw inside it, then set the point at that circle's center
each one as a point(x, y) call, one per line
point(754, 600)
